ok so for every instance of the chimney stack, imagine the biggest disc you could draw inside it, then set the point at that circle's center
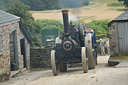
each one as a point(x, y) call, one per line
point(66, 22)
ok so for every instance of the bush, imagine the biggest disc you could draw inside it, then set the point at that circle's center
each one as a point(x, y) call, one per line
point(122, 9)
point(115, 4)
point(49, 24)
point(31, 26)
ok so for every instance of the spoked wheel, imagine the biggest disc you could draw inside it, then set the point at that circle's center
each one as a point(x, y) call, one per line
point(54, 63)
point(90, 50)
point(84, 60)
point(62, 67)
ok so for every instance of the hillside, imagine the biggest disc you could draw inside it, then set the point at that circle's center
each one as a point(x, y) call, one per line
point(97, 10)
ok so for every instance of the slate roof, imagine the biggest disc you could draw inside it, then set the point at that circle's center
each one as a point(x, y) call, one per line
point(121, 18)
point(6, 17)
point(24, 32)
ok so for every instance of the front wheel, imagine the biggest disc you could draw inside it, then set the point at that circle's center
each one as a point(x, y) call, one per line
point(95, 56)
point(84, 60)
point(54, 63)
point(90, 50)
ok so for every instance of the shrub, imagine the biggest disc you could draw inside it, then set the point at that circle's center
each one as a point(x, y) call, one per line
point(115, 4)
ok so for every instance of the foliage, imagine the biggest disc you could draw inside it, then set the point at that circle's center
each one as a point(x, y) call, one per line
point(100, 27)
point(125, 2)
point(41, 4)
point(73, 3)
point(46, 24)
point(31, 26)
point(38, 5)
point(54, 4)
point(122, 9)
point(5, 3)
point(86, 2)
point(115, 4)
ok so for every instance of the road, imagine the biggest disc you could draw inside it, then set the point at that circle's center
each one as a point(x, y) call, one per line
point(102, 75)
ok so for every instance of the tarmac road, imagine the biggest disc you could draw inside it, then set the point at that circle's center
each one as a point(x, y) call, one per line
point(102, 75)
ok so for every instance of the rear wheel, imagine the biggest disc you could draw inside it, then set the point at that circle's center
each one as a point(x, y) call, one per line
point(90, 50)
point(81, 29)
point(95, 56)
point(62, 67)
point(54, 63)
point(84, 60)
point(96, 61)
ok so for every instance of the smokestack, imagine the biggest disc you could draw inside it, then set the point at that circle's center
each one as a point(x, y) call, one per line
point(66, 22)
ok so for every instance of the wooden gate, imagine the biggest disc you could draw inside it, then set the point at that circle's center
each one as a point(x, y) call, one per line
point(123, 37)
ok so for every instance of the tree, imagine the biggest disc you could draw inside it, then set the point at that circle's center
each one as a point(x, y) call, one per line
point(5, 3)
point(51, 4)
point(41, 4)
point(35, 4)
point(73, 3)
point(19, 9)
point(38, 5)
point(125, 2)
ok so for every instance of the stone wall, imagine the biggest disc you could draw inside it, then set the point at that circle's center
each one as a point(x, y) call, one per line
point(5, 53)
point(40, 57)
point(5, 32)
point(113, 35)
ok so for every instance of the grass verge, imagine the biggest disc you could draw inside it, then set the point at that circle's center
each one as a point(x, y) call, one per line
point(122, 9)
point(120, 57)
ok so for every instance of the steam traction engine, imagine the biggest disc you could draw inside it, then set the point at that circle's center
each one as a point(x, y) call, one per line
point(74, 46)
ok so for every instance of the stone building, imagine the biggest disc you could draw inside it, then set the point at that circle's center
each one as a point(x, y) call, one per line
point(14, 45)
point(118, 33)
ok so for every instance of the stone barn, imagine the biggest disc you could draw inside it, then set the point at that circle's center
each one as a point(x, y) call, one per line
point(14, 45)
point(118, 33)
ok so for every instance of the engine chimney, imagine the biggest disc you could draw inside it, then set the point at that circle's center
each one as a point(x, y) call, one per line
point(66, 22)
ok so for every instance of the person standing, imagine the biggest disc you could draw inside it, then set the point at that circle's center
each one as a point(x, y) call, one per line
point(102, 46)
point(84, 25)
point(107, 46)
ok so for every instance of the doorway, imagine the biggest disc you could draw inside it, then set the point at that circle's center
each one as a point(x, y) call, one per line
point(123, 37)
point(13, 52)
point(23, 51)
